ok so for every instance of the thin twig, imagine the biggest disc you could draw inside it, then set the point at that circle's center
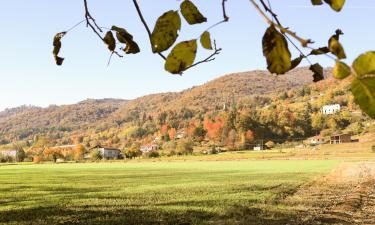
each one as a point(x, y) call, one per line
point(89, 18)
point(275, 17)
point(208, 59)
point(72, 28)
point(145, 25)
point(304, 42)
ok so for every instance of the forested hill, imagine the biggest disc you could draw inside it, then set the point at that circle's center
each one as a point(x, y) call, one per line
point(94, 116)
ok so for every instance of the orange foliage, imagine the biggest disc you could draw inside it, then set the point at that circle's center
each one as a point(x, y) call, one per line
point(172, 133)
point(164, 129)
point(214, 127)
point(249, 135)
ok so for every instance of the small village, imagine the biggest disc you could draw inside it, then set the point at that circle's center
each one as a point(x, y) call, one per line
point(155, 149)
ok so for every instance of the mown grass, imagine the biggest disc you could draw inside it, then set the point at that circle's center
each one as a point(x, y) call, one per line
point(226, 192)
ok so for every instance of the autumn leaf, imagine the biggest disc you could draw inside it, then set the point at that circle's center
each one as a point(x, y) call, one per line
point(275, 49)
point(165, 32)
point(191, 13)
point(181, 57)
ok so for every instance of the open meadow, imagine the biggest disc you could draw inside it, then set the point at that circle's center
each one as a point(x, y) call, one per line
point(220, 192)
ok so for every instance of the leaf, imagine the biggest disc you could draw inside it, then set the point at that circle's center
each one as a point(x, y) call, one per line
point(335, 4)
point(123, 36)
point(275, 49)
point(365, 64)
point(341, 70)
point(181, 57)
point(110, 41)
point(335, 46)
point(191, 13)
point(56, 48)
point(316, 2)
point(206, 40)
point(320, 51)
point(59, 60)
point(165, 31)
point(296, 61)
point(318, 72)
point(364, 94)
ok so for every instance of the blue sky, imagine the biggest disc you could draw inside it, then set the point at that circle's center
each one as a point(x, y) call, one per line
point(29, 75)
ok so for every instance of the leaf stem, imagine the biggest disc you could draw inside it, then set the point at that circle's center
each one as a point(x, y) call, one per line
point(304, 42)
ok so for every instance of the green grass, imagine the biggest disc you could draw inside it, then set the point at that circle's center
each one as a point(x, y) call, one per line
point(226, 192)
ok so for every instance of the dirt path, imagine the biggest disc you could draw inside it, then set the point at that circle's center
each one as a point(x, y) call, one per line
point(345, 196)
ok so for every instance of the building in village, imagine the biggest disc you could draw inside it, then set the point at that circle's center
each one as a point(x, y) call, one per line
point(316, 140)
point(8, 153)
point(340, 138)
point(331, 109)
point(108, 152)
point(149, 147)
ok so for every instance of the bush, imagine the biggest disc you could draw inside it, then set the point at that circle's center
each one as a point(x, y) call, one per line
point(184, 147)
point(95, 155)
point(152, 154)
point(21, 155)
point(373, 148)
point(6, 159)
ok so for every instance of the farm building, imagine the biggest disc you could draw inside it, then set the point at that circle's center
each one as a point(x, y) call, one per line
point(341, 138)
point(331, 109)
point(316, 140)
point(10, 153)
point(150, 147)
point(108, 152)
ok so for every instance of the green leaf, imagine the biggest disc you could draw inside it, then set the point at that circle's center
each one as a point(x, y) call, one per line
point(335, 4)
point(191, 13)
point(296, 61)
point(316, 2)
point(165, 31)
point(364, 94)
point(341, 70)
point(320, 51)
point(365, 64)
point(335, 46)
point(110, 41)
point(56, 48)
point(318, 72)
point(181, 57)
point(123, 36)
point(275, 49)
point(206, 40)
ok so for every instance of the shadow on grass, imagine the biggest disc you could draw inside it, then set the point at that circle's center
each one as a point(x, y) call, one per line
point(90, 215)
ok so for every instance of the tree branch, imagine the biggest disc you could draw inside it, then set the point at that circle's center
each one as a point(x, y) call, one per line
point(208, 59)
point(90, 19)
point(304, 42)
point(226, 18)
point(145, 25)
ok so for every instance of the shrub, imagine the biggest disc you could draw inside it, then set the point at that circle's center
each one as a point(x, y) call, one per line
point(152, 154)
point(373, 148)
point(6, 159)
point(95, 155)
point(270, 144)
point(20, 155)
point(184, 147)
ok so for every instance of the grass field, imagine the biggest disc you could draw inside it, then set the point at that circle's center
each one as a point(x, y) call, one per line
point(226, 192)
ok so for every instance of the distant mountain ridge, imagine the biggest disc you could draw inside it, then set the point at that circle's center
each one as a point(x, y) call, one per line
point(26, 121)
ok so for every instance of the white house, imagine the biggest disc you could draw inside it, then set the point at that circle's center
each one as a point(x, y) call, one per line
point(108, 152)
point(148, 148)
point(316, 140)
point(9, 153)
point(331, 109)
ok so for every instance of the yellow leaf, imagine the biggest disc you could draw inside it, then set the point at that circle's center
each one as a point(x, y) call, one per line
point(181, 57)
point(206, 40)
